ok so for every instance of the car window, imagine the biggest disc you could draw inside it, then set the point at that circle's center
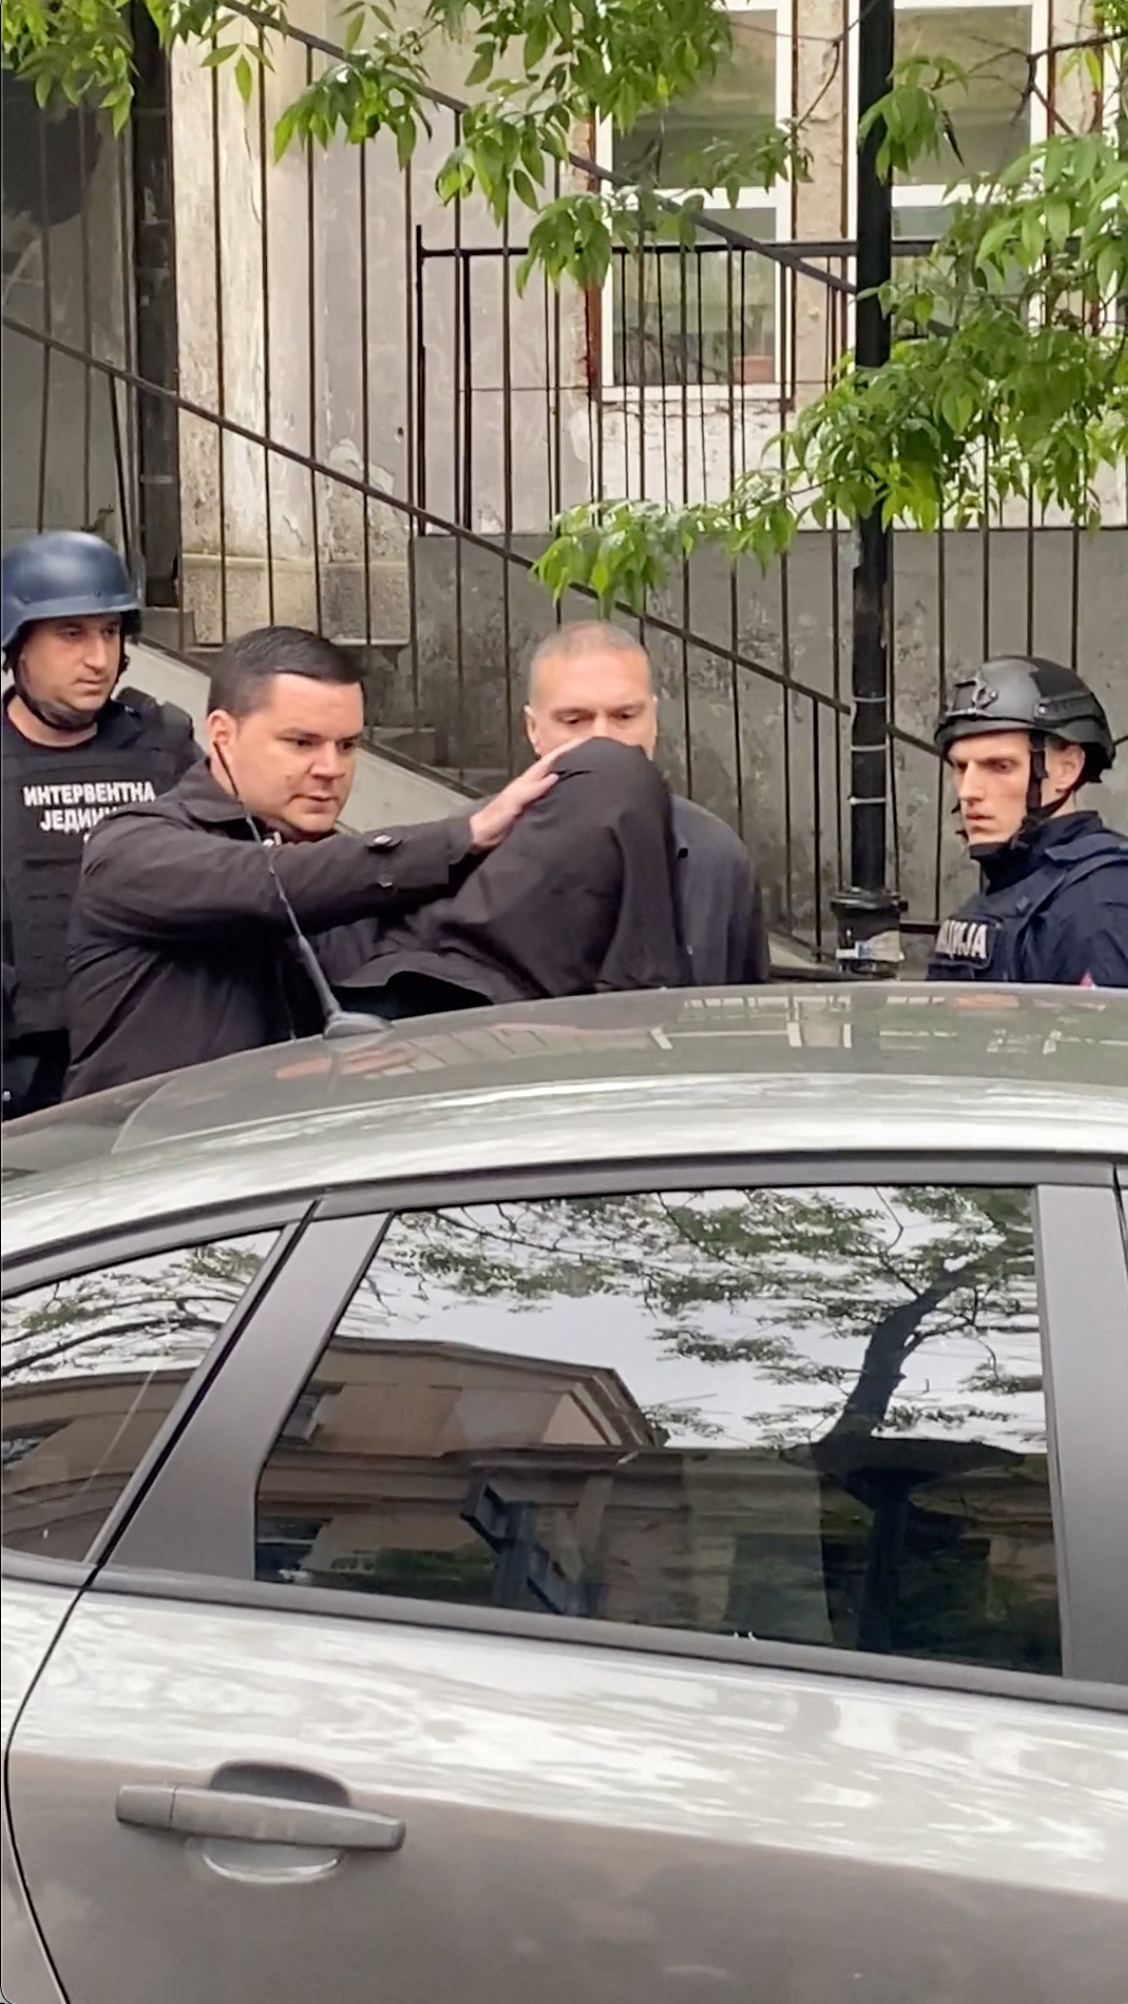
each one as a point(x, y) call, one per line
point(90, 1369)
point(815, 1415)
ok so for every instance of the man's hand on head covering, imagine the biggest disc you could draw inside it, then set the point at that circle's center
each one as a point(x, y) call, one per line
point(496, 818)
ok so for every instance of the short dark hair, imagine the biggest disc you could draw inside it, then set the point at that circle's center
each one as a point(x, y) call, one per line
point(241, 680)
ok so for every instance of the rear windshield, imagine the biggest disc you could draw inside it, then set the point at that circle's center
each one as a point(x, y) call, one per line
point(66, 1137)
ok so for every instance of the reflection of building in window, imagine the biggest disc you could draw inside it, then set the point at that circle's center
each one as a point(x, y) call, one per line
point(78, 1441)
point(17, 1446)
point(445, 1472)
point(92, 1367)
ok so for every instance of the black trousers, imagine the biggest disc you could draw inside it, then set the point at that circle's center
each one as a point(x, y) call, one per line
point(34, 1070)
point(579, 897)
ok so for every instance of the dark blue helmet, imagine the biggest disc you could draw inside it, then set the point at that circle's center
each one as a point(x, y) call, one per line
point(64, 574)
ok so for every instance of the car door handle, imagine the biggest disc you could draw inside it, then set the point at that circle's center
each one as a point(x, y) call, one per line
point(256, 1819)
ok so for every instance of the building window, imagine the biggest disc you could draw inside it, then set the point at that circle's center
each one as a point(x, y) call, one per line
point(993, 120)
point(704, 316)
point(813, 1415)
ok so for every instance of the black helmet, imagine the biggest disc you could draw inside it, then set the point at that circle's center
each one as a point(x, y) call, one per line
point(1027, 693)
point(63, 574)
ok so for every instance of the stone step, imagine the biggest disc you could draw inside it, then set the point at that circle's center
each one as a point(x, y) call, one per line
point(415, 743)
point(482, 780)
point(378, 648)
point(167, 626)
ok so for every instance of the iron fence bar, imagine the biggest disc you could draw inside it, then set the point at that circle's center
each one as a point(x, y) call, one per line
point(843, 247)
point(125, 179)
point(45, 267)
point(314, 399)
point(413, 418)
point(420, 494)
point(456, 483)
point(580, 162)
point(87, 318)
point(422, 516)
point(365, 389)
point(1074, 595)
point(941, 683)
point(507, 488)
point(220, 370)
point(264, 236)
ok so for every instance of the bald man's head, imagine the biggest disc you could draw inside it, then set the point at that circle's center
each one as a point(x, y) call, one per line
point(590, 680)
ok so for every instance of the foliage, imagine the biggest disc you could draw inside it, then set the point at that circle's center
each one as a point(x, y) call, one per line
point(826, 1294)
point(147, 1314)
point(1009, 376)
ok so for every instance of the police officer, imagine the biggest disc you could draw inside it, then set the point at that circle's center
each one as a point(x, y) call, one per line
point(1022, 736)
point(72, 752)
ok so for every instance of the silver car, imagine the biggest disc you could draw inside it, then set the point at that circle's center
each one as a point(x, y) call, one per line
point(614, 1502)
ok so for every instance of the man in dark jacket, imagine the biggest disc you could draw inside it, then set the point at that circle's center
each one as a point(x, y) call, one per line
point(181, 948)
point(580, 899)
point(72, 752)
point(592, 680)
point(1021, 737)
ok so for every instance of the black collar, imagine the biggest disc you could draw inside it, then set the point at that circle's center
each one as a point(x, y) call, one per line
point(209, 803)
point(1008, 863)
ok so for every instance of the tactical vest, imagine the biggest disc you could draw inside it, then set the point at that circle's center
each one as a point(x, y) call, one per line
point(52, 800)
point(984, 940)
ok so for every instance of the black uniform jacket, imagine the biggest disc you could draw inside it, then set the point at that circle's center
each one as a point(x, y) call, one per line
point(180, 949)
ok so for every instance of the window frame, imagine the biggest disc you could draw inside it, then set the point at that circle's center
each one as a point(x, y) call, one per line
point(936, 194)
point(778, 197)
point(165, 1545)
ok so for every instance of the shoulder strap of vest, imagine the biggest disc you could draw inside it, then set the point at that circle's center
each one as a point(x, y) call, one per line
point(1082, 860)
point(168, 718)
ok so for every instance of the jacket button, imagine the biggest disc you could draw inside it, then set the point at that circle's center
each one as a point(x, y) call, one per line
point(385, 841)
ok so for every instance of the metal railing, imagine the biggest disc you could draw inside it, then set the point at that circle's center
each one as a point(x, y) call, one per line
point(343, 413)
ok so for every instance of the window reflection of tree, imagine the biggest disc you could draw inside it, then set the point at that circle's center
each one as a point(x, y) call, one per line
point(93, 1364)
point(888, 1274)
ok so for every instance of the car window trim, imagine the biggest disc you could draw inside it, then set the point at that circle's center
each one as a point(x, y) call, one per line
point(712, 1172)
point(198, 1512)
point(69, 1258)
point(814, 1659)
point(1083, 1297)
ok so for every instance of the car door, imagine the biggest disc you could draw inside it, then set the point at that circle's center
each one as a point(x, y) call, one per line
point(615, 1590)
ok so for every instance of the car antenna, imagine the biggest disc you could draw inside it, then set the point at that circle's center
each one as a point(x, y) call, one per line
point(337, 1023)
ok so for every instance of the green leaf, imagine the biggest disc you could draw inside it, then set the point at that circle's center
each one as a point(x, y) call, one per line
point(536, 43)
point(405, 141)
point(285, 129)
point(244, 79)
point(481, 69)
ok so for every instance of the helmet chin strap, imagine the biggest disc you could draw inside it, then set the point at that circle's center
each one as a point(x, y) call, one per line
point(1038, 810)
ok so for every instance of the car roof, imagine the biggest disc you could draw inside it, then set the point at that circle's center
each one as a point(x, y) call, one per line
point(829, 1069)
